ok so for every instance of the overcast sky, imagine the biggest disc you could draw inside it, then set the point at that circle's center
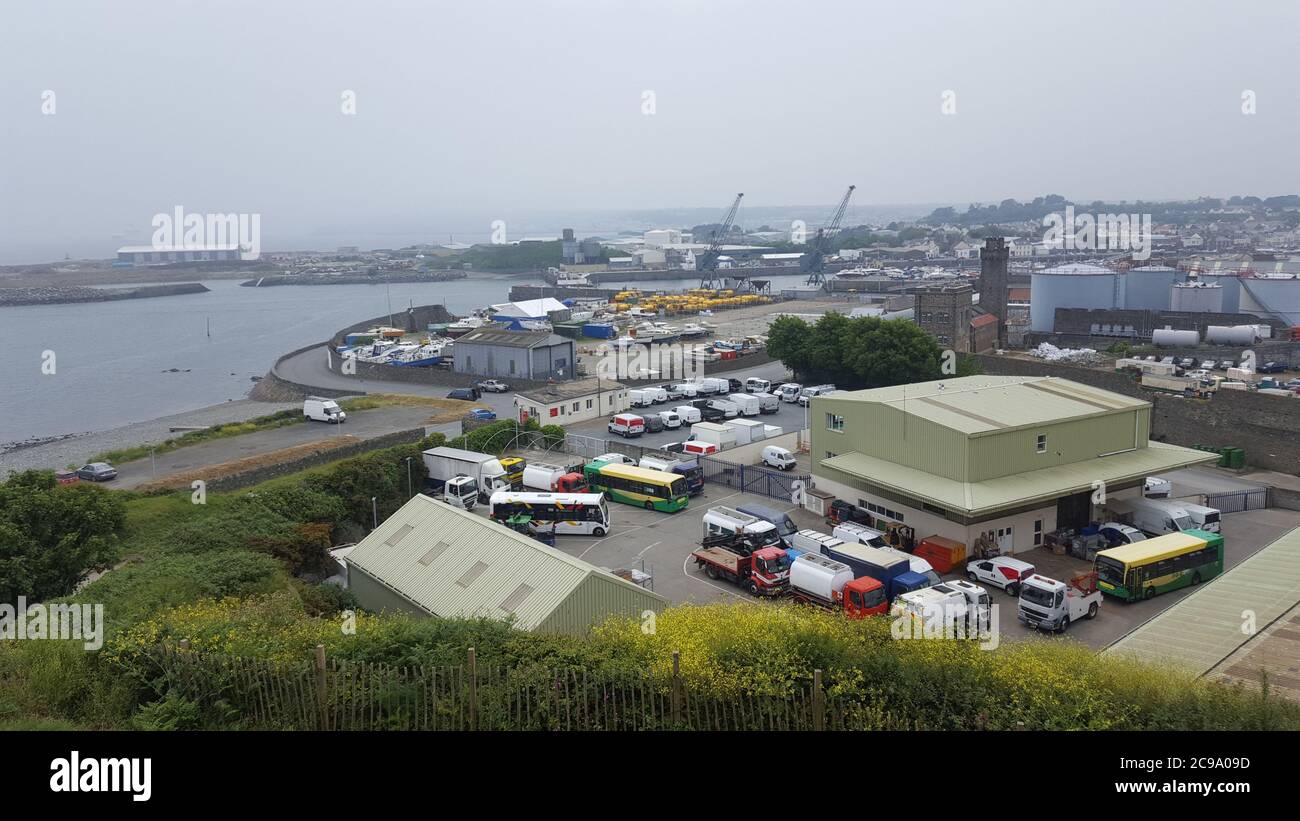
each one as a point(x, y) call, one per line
point(471, 111)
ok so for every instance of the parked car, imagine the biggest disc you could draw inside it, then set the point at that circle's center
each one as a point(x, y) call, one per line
point(1208, 364)
point(319, 409)
point(654, 423)
point(1272, 367)
point(493, 386)
point(670, 419)
point(1187, 362)
point(97, 472)
point(735, 386)
point(627, 424)
point(615, 459)
point(1227, 364)
point(482, 413)
point(1000, 571)
point(674, 392)
point(466, 394)
point(756, 385)
point(1118, 533)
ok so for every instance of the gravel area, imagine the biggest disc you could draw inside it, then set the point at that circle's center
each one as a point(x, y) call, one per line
point(78, 448)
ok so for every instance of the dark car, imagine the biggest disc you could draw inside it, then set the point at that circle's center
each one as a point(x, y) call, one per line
point(707, 413)
point(98, 472)
point(653, 424)
point(736, 386)
point(467, 394)
point(1272, 367)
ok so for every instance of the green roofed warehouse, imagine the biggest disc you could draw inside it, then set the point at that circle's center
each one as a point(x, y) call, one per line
point(432, 559)
point(1002, 459)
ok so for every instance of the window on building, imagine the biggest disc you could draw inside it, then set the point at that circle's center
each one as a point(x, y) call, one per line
point(512, 367)
point(834, 421)
point(588, 404)
point(1041, 445)
point(575, 407)
point(1038, 532)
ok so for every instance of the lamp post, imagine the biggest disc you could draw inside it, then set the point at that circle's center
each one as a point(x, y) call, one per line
point(409, 491)
point(374, 510)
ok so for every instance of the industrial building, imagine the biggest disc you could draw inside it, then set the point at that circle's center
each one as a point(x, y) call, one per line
point(530, 310)
point(998, 460)
point(432, 559)
point(506, 354)
point(572, 402)
point(149, 255)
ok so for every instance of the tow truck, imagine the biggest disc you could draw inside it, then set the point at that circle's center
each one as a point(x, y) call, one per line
point(1048, 604)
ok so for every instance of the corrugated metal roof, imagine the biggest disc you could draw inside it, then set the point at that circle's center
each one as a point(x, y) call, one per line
point(511, 339)
point(1018, 488)
point(451, 562)
point(979, 404)
point(1204, 628)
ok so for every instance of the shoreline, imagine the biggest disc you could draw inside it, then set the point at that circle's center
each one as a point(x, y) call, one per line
point(77, 294)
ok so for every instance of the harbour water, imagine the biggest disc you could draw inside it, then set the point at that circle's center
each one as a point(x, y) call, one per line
point(112, 362)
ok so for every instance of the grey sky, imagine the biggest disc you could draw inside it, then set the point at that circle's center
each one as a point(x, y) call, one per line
point(472, 111)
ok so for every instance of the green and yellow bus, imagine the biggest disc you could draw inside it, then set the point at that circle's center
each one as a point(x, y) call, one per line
point(651, 489)
point(1153, 566)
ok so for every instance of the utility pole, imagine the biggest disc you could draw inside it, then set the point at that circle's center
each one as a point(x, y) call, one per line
point(374, 510)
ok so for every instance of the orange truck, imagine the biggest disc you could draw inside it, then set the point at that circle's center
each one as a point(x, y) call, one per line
point(824, 582)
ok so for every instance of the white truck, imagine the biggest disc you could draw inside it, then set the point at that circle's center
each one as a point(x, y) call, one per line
point(640, 398)
point(727, 521)
point(551, 478)
point(461, 477)
point(747, 405)
point(747, 430)
point(320, 409)
point(719, 435)
point(1048, 604)
point(939, 612)
point(789, 392)
point(768, 402)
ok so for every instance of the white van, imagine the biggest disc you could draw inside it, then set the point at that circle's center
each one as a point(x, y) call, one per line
point(712, 385)
point(656, 395)
point(779, 458)
point(768, 402)
point(689, 414)
point(1154, 517)
point(747, 404)
point(627, 424)
point(639, 398)
point(789, 392)
point(755, 385)
point(687, 390)
point(1204, 518)
point(319, 409)
point(806, 395)
point(729, 409)
point(854, 533)
point(727, 521)
point(670, 419)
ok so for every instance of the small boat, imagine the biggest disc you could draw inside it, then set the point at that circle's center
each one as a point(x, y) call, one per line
point(706, 312)
point(693, 331)
point(463, 326)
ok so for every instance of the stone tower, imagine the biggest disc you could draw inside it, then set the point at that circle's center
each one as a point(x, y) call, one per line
point(993, 282)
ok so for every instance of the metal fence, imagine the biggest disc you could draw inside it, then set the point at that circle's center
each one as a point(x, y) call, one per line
point(1238, 501)
point(756, 479)
point(316, 694)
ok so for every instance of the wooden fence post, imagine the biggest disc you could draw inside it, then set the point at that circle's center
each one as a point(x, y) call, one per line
point(677, 689)
point(321, 692)
point(473, 689)
point(818, 702)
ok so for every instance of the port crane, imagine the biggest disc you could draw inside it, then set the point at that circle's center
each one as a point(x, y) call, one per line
point(708, 262)
point(813, 261)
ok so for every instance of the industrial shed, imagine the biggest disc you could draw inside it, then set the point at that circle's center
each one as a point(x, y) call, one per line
point(432, 559)
point(505, 354)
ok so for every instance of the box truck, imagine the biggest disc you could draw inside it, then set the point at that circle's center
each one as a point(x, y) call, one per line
point(890, 571)
point(719, 435)
point(552, 478)
point(748, 405)
point(448, 467)
point(746, 430)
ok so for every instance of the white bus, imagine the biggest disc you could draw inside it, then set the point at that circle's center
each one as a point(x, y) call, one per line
point(580, 514)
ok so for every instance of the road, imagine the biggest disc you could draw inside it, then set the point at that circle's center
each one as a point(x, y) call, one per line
point(366, 424)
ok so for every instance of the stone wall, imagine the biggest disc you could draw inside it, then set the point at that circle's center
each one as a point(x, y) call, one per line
point(1264, 426)
point(262, 474)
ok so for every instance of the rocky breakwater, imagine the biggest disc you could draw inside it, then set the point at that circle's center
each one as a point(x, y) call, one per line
point(63, 295)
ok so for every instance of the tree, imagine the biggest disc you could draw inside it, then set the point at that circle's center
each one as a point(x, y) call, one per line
point(853, 353)
point(785, 341)
point(51, 535)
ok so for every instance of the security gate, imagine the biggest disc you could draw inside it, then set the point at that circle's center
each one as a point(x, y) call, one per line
point(1237, 501)
point(755, 479)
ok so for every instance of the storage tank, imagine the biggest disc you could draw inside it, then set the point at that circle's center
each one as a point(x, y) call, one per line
point(1231, 288)
point(1271, 296)
point(1074, 285)
point(1196, 297)
point(1147, 288)
point(819, 575)
point(1230, 334)
point(1170, 338)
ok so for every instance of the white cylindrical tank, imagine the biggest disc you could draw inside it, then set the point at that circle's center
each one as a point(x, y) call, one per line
point(819, 576)
point(1147, 288)
point(1074, 285)
point(1170, 338)
point(1231, 288)
point(1196, 298)
point(1230, 334)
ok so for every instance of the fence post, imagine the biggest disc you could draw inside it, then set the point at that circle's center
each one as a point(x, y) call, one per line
point(677, 689)
point(321, 713)
point(818, 702)
point(473, 689)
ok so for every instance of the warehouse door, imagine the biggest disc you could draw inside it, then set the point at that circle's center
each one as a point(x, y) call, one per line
point(1074, 510)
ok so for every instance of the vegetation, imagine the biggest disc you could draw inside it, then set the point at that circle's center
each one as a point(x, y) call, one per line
point(861, 352)
point(51, 534)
